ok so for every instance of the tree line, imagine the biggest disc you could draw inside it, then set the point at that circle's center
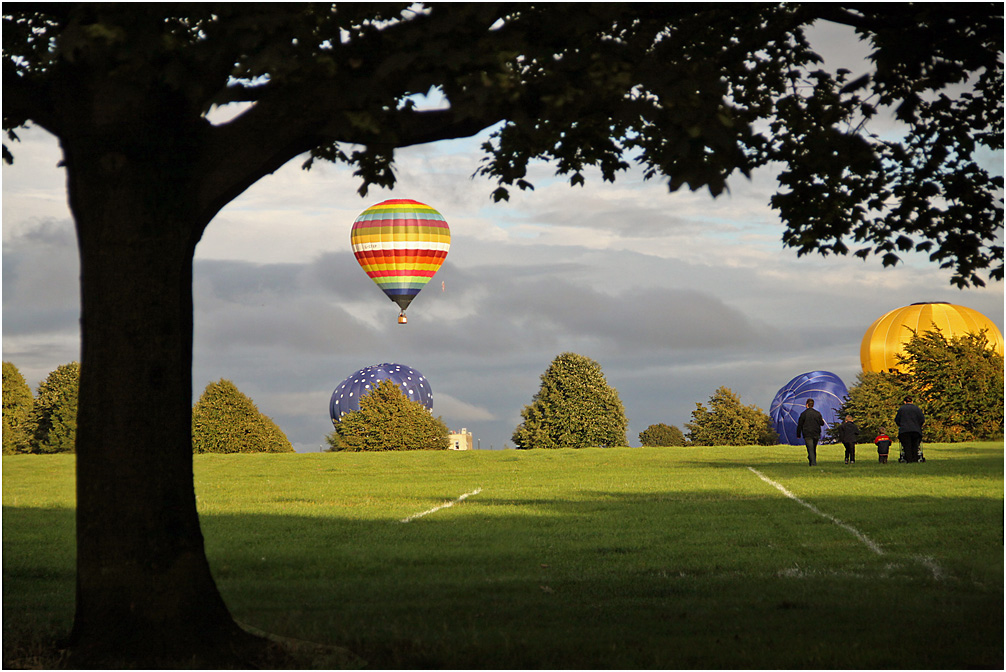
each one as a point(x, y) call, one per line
point(224, 420)
point(576, 408)
point(957, 380)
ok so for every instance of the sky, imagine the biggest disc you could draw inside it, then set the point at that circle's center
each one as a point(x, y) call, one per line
point(673, 294)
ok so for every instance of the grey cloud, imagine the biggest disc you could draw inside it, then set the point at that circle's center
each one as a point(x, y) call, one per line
point(544, 304)
point(46, 231)
point(646, 317)
point(338, 275)
point(41, 305)
point(38, 319)
point(294, 326)
point(284, 306)
point(243, 282)
point(642, 220)
point(41, 275)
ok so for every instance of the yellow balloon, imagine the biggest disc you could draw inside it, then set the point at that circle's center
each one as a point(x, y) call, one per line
point(888, 335)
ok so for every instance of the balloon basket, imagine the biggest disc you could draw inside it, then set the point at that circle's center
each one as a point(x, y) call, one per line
point(402, 319)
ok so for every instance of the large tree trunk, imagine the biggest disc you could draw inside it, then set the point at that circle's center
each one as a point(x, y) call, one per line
point(145, 595)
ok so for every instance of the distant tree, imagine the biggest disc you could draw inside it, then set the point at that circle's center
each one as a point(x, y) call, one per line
point(574, 408)
point(728, 422)
point(388, 420)
point(54, 416)
point(224, 420)
point(959, 382)
point(662, 435)
point(17, 406)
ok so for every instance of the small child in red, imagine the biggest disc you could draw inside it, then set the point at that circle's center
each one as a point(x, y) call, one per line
point(883, 442)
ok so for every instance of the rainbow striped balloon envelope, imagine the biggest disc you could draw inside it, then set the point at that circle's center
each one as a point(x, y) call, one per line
point(401, 244)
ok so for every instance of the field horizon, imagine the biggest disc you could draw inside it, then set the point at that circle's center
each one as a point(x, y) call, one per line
point(670, 558)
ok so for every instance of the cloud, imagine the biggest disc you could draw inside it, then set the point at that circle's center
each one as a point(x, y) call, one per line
point(41, 305)
point(459, 411)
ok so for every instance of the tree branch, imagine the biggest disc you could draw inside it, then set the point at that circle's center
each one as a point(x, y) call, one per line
point(282, 127)
point(417, 128)
point(25, 101)
point(841, 15)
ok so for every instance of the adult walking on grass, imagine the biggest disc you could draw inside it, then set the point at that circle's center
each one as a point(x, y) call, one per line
point(848, 434)
point(809, 427)
point(909, 420)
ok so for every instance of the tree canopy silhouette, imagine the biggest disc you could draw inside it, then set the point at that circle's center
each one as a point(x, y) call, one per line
point(694, 94)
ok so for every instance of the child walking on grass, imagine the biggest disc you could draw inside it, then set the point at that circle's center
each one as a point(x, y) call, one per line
point(883, 442)
point(848, 434)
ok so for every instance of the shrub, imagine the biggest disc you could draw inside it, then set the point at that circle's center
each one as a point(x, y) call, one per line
point(54, 416)
point(17, 406)
point(730, 423)
point(574, 408)
point(388, 420)
point(226, 421)
point(662, 435)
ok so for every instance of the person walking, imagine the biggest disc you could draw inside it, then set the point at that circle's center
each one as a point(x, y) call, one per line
point(848, 434)
point(883, 442)
point(809, 426)
point(909, 420)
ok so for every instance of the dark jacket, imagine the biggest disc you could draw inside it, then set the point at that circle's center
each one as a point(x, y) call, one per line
point(909, 419)
point(810, 423)
point(848, 432)
point(883, 442)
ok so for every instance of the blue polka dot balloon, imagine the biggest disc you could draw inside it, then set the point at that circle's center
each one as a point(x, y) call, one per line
point(346, 397)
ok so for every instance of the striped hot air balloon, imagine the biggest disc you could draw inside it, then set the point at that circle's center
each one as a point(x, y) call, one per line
point(401, 244)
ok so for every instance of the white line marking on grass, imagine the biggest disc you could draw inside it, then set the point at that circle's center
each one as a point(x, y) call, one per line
point(441, 506)
point(931, 564)
point(873, 546)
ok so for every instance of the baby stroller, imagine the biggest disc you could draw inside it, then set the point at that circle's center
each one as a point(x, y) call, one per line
point(902, 458)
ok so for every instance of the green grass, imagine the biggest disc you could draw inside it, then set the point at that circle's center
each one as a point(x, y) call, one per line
point(597, 558)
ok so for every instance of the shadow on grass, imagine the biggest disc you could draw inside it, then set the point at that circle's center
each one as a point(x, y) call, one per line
point(610, 580)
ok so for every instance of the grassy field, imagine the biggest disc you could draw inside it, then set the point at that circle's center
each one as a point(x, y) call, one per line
point(597, 558)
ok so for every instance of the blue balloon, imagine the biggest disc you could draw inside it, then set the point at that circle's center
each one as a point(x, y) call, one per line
point(346, 397)
point(825, 388)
